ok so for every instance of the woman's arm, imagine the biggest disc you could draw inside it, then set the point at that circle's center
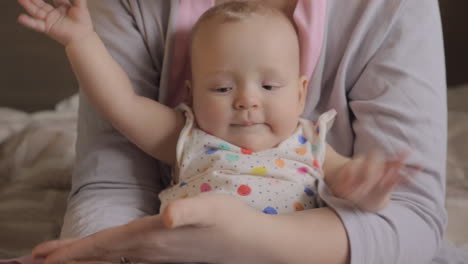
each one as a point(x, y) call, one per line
point(212, 228)
point(396, 95)
point(114, 181)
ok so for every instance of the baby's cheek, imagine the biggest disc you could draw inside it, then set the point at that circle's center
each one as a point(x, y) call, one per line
point(284, 122)
point(211, 119)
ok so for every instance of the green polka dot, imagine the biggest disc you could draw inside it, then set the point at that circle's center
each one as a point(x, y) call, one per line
point(232, 158)
point(314, 148)
point(224, 146)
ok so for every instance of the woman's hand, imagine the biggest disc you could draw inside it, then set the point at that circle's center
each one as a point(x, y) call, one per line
point(367, 181)
point(209, 228)
point(65, 23)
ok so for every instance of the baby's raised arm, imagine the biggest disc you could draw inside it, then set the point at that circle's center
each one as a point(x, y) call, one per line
point(367, 181)
point(148, 124)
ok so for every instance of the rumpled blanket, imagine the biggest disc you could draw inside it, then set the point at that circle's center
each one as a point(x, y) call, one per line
point(36, 160)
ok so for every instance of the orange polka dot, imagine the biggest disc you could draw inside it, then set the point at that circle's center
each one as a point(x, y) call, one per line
point(184, 196)
point(301, 151)
point(279, 163)
point(298, 206)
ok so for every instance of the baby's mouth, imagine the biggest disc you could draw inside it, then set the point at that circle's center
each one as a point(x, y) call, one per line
point(245, 124)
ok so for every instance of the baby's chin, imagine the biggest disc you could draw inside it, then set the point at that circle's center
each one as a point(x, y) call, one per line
point(256, 144)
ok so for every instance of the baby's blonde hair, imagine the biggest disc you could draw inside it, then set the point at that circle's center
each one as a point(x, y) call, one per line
point(238, 10)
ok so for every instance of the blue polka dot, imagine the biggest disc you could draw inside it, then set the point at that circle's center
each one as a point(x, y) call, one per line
point(308, 191)
point(182, 184)
point(211, 151)
point(270, 210)
point(301, 139)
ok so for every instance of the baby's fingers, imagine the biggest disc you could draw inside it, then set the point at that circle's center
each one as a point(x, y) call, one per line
point(389, 180)
point(81, 3)
point(409, 172)
point(37, 9)
point(29, 22)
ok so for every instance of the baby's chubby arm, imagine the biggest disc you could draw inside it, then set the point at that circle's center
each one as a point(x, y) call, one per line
point(367, 181)
point(148, 124)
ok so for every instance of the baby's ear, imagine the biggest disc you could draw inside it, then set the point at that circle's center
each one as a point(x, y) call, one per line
point(303, 83)
point(188, 87)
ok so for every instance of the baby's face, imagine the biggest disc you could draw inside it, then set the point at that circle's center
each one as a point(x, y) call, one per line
point(245, 85)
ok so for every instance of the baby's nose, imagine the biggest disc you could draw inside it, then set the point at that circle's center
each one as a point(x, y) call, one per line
point(244, 103)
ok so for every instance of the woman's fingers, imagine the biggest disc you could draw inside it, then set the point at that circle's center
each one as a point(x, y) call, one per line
point(44, 249)
point(84, 250)
point(110, 244)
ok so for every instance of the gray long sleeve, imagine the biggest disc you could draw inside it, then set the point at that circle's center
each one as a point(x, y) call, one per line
point(383, 70)
point(114, 182)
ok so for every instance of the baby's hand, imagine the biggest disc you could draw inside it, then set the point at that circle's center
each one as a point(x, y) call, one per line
point(65, 23)
point(367, 181)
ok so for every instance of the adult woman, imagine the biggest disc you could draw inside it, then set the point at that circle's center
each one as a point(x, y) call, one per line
point(375, 63)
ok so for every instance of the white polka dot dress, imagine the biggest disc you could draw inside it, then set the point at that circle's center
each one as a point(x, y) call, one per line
point(280, 180)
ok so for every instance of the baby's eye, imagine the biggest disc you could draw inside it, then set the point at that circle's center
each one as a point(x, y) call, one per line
point(268, 87)
point(223, 89)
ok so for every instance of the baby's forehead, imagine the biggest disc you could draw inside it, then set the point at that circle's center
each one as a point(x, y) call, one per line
point(238, 11)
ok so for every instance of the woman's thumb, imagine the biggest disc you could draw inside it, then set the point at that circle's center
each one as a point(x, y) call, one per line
point(197, 211)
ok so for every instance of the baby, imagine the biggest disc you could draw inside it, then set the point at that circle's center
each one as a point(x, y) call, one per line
point(240, 131)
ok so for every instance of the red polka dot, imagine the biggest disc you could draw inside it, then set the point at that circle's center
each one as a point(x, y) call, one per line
point(246, 151)
point(205, 187)
point(244, 190)
point(316, 164)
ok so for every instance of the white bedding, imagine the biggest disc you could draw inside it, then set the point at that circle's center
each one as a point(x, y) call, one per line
point(37, 153)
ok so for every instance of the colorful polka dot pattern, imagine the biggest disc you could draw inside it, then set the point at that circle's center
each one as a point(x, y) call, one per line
point(274, 181)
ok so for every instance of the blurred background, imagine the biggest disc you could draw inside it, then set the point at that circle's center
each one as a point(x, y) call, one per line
point(29, 60)
point(34, 71)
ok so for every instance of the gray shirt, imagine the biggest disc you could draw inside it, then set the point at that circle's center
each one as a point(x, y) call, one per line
point(381, 67)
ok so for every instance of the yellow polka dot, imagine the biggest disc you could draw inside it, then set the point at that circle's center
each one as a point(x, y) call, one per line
point(184, 196)
point(301, 151)
point(259, 171)
point(279, 163)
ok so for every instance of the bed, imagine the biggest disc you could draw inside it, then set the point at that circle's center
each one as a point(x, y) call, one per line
point(37, 146)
